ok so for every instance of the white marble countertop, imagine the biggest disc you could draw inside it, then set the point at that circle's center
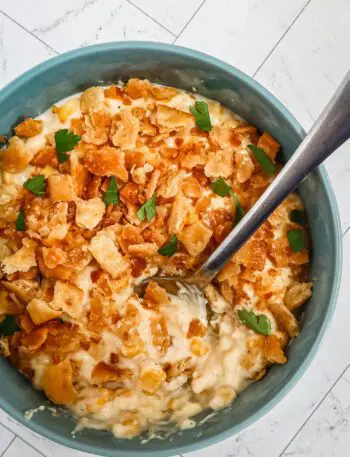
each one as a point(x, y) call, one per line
point(299, 50)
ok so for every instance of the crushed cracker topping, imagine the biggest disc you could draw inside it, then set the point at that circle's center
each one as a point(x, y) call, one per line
point(119, 361)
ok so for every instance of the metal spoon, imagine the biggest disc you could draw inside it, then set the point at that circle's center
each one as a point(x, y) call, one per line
point(329, 132)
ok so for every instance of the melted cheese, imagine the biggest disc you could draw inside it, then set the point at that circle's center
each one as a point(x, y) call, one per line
point(226, 338)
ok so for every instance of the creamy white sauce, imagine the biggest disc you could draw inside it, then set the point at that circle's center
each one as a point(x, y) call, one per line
point(220, 367)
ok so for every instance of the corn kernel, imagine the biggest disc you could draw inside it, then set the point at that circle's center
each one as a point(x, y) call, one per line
point(151, 380)
point(198, 347)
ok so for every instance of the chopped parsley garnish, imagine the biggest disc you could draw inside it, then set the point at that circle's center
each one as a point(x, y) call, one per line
point(147, 210)
point(239, 208)
point(65, 141)
point(267, 165)
point(257, 322)
point(8, 326)
point(168, 249)
point(296, 239)
point(20, 222)
point(201, 115)
point(298, 217)
point(111, 196)
point(221, 188)
point(37, 185)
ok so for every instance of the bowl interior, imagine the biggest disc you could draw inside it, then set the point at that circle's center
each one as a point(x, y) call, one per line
point(35, 91)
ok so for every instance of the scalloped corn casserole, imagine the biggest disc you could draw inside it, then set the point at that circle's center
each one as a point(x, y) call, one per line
point(116, 185)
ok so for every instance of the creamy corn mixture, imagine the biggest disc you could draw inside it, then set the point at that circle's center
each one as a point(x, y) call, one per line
point(118, 184)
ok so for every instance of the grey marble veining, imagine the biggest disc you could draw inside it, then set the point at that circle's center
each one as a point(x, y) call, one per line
point(327, 433)
point(301, 49)
point(66, 15)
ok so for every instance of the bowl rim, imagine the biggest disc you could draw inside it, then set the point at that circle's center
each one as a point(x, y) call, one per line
point(200, 443)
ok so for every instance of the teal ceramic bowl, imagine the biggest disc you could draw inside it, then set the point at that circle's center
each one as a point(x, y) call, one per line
point(61, 76)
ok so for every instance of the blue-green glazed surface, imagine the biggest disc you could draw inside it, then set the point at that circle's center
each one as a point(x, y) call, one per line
point(61, 76)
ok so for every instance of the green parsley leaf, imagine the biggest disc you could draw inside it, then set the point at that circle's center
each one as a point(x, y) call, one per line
point(257, 322)
point(62, 157)
point(8, 326)
point(268, 167)
point(200, 112)
point(65, 141)
point(297, 216)
point(296, 239)
point(147, 210)
point(239, 208)
point(221, 188)
point(20, 222)
point(111, 195)
point(168, 249)
point(37, 185)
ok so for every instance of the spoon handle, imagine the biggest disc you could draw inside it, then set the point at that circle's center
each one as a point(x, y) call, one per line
point(331, 130)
